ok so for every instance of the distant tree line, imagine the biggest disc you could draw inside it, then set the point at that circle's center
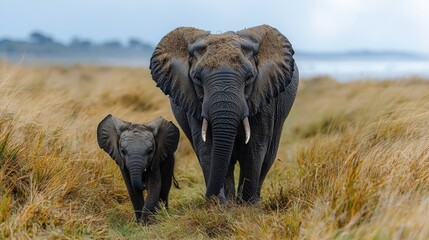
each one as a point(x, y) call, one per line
point(46, 43)
point(41, 38)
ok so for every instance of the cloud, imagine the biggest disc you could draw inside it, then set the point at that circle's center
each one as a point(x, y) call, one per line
point(331, 18)
point(323, 25)
point(419, 15)
point(382, 24)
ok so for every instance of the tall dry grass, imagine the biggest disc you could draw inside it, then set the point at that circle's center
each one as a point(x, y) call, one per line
point(353, 162)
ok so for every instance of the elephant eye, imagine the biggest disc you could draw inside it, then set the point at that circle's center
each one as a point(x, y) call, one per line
point(123, 151)
point(149, 151)
point(197, 79)
point(249, 78)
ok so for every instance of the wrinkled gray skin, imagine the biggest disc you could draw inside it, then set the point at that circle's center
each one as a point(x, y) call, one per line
point(226, 80)
point(145, 155)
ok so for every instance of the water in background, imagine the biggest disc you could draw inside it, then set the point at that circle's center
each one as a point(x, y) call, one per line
point(339, 68)
point(347, 69)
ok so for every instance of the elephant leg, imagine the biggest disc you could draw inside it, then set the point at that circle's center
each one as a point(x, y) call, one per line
point(153, 194)
point(250, 168)
point(202, 149)
point(230, 182)
point(136, 196)
point(167, 169)
point(269, 159)
point(251, 156)
point(249, 179)
point(283, 107)
point(192, 129)
point(182, 119)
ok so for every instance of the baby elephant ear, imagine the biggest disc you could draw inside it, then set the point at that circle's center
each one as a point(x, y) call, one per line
point(166, 139)
point(108, 132)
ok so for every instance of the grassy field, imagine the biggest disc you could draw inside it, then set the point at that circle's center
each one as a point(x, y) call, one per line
point(353, 162)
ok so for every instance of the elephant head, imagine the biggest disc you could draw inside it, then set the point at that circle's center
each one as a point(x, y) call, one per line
point(222, 79)
point(137, 147)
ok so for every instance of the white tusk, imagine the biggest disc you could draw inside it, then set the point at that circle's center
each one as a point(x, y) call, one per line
point(247, 129)
point(204, 129)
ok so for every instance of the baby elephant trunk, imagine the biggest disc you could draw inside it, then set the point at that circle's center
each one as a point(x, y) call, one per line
point(137, 166)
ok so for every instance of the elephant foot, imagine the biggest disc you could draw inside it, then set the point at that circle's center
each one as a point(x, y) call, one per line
point(146, 219)
point(222, 197)
point(250, 200)
point(219, 199)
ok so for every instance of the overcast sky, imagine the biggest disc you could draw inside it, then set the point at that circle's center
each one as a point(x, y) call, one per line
point(311, 25)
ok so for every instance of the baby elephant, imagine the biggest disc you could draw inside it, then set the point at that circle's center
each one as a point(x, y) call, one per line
point(145, 155)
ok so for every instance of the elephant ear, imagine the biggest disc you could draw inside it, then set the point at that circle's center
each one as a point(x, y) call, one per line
point(169, 66)
point(166, 136)
point(108, 132)
point(275, 65)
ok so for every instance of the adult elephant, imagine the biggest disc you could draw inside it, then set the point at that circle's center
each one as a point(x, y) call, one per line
point(231, 94)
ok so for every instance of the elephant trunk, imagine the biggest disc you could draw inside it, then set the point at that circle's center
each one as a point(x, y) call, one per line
point(224, 118)
point(224, 132)
point(136, 168)
point(224, 111)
